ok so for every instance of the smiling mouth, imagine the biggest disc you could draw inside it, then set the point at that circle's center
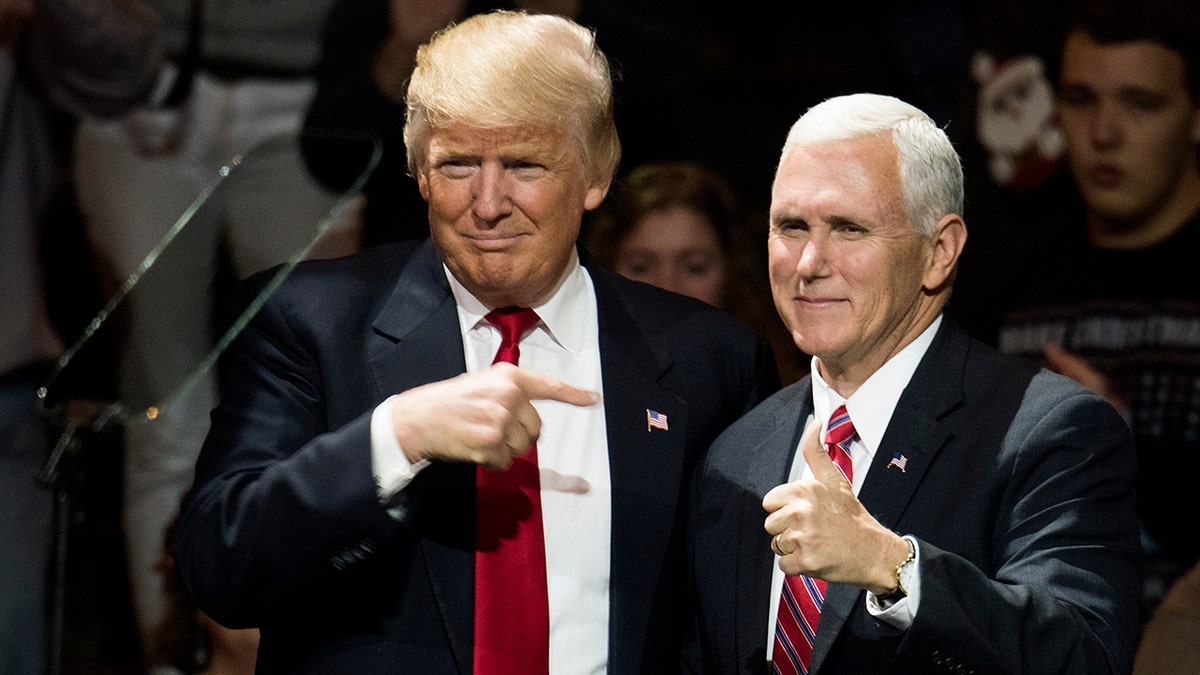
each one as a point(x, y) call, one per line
point(817, 303)
point(494, 242)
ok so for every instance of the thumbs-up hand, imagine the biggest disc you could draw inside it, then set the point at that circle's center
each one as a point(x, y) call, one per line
point(820, 462)
point(820, 529)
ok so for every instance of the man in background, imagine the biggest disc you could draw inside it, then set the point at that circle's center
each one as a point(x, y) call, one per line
point(1112, 297)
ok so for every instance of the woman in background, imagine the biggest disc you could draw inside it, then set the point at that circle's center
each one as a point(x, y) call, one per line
point(677, 225)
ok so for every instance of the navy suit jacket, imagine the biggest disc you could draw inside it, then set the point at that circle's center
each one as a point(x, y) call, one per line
point(1019, 488)
point(284, 528)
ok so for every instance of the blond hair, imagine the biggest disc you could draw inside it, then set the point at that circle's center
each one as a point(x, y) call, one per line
point(504, 69)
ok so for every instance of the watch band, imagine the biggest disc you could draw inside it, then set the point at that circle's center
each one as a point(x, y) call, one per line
point(899, 592)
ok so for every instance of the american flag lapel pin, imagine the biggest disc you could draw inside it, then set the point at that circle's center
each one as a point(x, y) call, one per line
point(899, 461)
point(655, 420)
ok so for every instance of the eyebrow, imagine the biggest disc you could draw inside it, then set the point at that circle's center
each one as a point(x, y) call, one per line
point(841, 220)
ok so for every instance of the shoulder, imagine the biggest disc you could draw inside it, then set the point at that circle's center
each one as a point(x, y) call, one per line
point(1039, 407)
point(777, 413)
point(1054, 404)
point(993, 378)
point(330, 290)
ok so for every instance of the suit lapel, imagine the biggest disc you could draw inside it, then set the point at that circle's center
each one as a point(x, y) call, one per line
point(416, 337)
point(416, 341)
point(644, 464)
point(915, 434)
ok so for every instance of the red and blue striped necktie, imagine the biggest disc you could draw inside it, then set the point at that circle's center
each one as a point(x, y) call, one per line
point(802, 598)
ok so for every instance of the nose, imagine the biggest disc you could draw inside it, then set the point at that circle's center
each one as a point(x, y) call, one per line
point(1105, 126)
point(814, 256)
point(490, 198)
point(669, 277)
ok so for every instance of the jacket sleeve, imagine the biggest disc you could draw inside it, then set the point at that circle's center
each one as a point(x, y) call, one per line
point(284, 502)
point(1063, 593)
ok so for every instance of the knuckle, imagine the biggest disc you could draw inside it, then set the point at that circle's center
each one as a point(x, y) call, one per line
point(490, 437)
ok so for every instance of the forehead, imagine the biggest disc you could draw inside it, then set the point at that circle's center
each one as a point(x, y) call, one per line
point(1140, 64)
point(674, 227)
point(859, 174)
point(525, 141)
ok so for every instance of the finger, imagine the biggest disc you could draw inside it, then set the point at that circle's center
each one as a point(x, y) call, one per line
point(777, 498)
point(1060, 360)
point(817, 457)
point(780, 546)
point(1077, 368)
point(528, 424)
point(538, 387)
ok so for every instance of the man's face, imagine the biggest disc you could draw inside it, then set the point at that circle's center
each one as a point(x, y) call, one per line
point(846, 267)
point(1130, 127)
point(505, 207)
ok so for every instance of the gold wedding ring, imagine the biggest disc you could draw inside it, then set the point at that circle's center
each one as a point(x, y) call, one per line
point(778, 548)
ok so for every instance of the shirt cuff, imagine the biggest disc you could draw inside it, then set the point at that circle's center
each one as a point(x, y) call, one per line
point(393, 472)
point(902, 613)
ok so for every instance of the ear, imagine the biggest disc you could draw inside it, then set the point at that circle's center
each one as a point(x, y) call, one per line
point(948, 239)
point(423, 183)
point(596, 194)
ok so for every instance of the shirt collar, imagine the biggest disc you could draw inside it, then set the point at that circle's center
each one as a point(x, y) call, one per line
point(872, 404)
point(563, 312)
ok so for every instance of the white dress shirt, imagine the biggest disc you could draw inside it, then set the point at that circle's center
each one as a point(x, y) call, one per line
point(870, 408)
point(572, 454)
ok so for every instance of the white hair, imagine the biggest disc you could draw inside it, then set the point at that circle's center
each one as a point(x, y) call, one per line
point(931, 176)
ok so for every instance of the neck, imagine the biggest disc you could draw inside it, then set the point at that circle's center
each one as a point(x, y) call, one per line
point(846, 375)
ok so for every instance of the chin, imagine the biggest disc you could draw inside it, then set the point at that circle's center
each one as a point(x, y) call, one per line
point(806, 342)
point(1115, 213)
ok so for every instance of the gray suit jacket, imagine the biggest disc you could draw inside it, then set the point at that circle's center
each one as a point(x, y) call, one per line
point(1018, 486)
point(284, 528)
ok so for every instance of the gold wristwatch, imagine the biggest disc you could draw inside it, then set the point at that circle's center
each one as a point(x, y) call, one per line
point(904, 576)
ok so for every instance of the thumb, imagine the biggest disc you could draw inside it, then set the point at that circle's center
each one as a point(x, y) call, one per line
point(540, 387)
point(817, 457)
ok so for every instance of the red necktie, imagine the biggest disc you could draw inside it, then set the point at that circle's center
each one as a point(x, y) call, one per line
point(802, 597)
point(512, 609)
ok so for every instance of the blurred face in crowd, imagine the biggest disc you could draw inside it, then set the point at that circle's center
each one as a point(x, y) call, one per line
point(851, 278)
point(1131, 129)
point(677, 249)
point(505, 207)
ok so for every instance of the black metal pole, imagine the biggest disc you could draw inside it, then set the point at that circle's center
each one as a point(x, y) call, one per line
point(58, 474)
